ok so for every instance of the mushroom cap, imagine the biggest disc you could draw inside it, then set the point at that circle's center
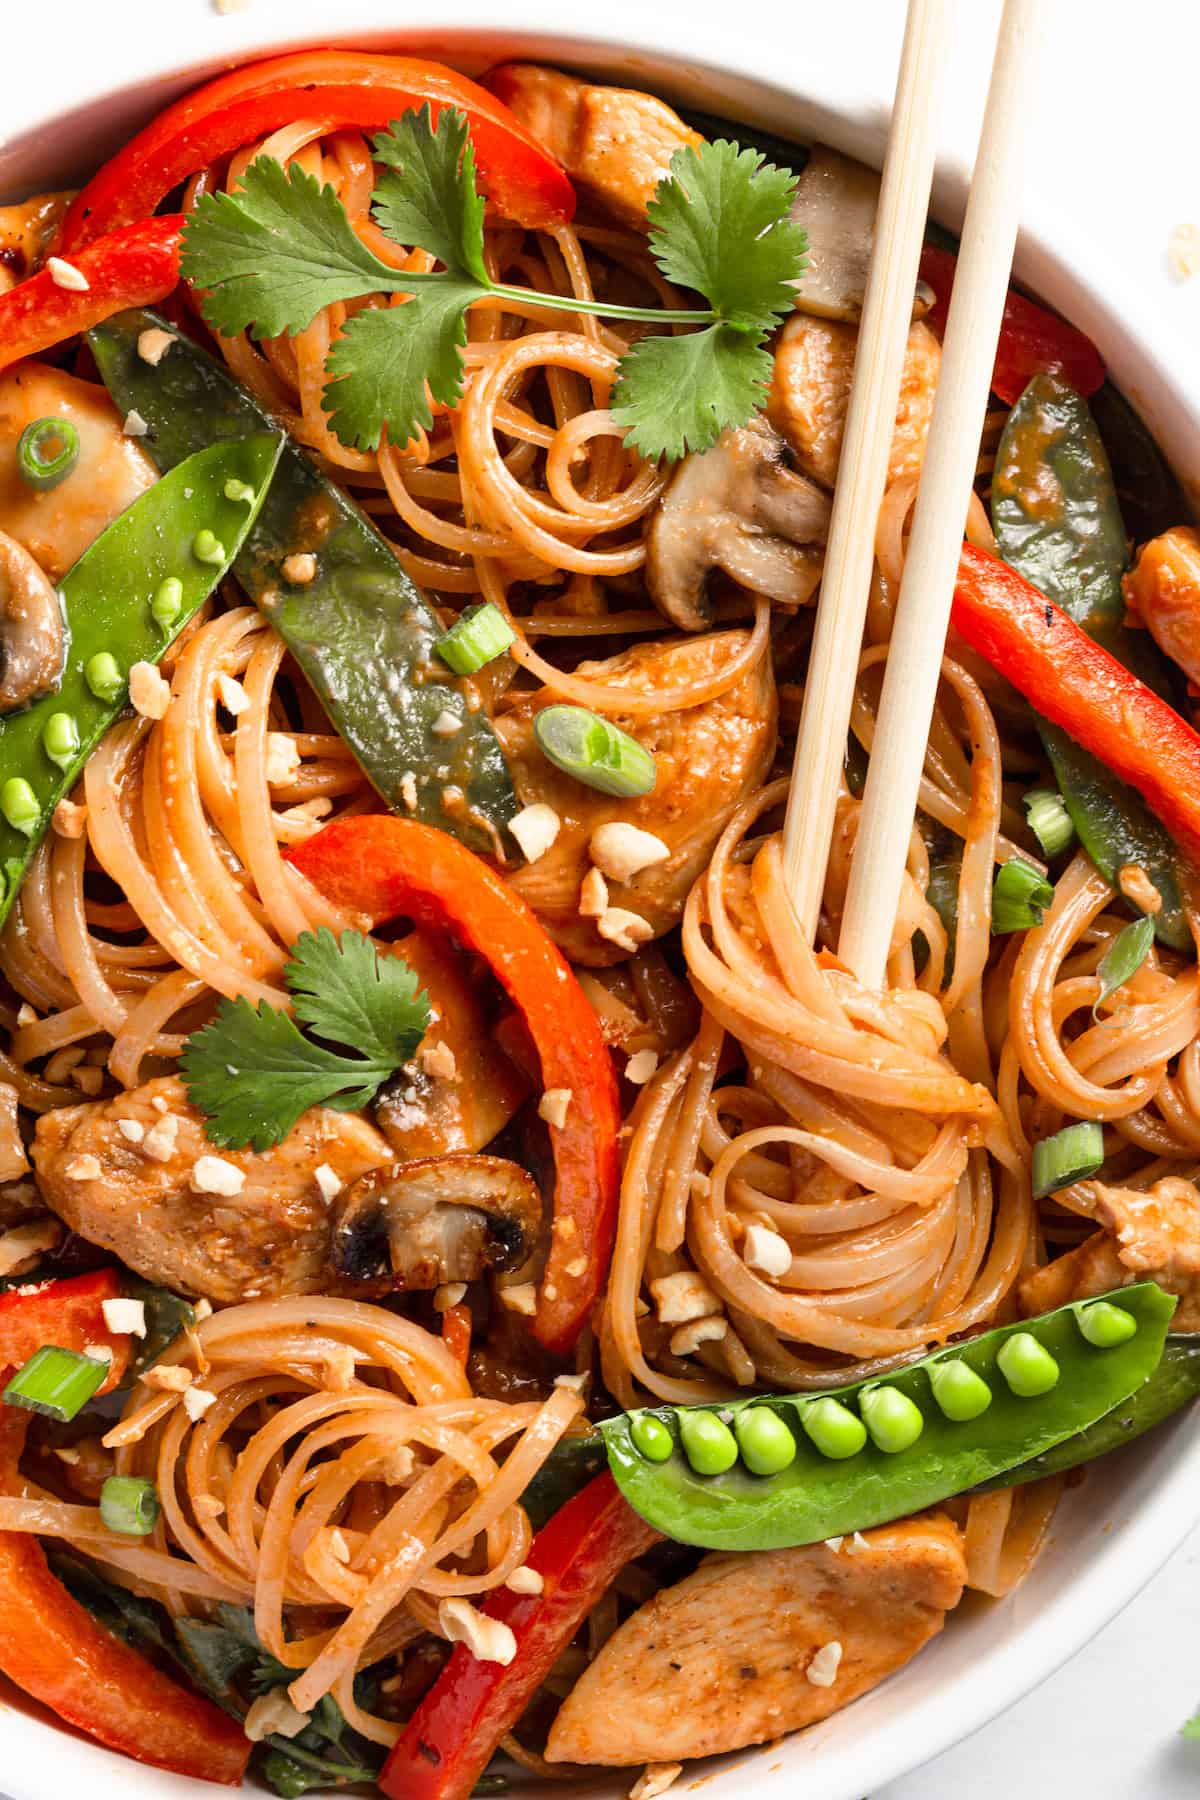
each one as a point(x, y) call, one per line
point(836, 202)
point(33, 632)
point(737, 507)
point(416, 1225)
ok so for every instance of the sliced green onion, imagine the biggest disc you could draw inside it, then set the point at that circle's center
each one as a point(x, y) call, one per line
point(1106, 1325)
point(598, 753)
point(1123, 958)
point(167, 603)
point(129, 1504)
point(56, 1382)
point(19, 804)
point(1020, 895)
point(207, 547)
point(103, 675)
point(60, 739)
point(47, 451)
point(1072, 1154)
point(1049, 820)
point(478, 637)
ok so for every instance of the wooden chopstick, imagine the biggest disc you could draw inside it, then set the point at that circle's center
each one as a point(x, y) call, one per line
point(927, 586)
point(866, 444)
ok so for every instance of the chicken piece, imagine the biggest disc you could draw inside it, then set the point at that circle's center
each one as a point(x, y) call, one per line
point(1148, 1236)
point(57, 525)
point(456, 1098)
point(737, 508)
point(810, 391)
point(1162, 592)
point(138, 1198)
point(707, 759)
point(26, 232)
point(615, 143)
point(722, 1659)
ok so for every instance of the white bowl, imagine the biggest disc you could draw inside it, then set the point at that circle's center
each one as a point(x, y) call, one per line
point(826, 76)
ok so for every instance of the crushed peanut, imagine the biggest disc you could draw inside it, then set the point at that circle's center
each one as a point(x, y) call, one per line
point(622, 850)
point(525, 1580)
point(299, 568)
point(232, 695)
point(153, 344)
point(641, 1067)
point(69, 820)
point(683, 1297)
point(149, 693)
point(766, 1251)
point(554, 1106)
point(687, 1338)
point(627, 930)
point(489, 1640)
point(283, 758)
point(520, 1299)
point(655, 1779)
point(159, 1141)
point(214, 1175)
point(328, 1181)
point(822, 1670)
point(273, 1715)
point(83, 1168)
point(535, 829)
point(196, 1402)
point(438, 1060)
point(593, 895)
point(447, 724)
point(132, 1130)
point(168, 1378)
point(125, 1318)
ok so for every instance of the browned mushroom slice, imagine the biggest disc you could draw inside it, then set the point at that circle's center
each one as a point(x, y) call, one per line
point(444, 1218)
point(738, 508)
point(836, 202)
point(33, 635)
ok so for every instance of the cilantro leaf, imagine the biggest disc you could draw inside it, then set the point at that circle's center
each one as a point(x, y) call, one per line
point(428, 196)
point(253, 1073)
point(274, 252)
point(675, 395)
point(1190, 1729)
point(720, 223)
point(379, 366)
point(350, 993)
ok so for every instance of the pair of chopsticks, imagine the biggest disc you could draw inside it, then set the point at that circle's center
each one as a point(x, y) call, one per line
point(927, 588)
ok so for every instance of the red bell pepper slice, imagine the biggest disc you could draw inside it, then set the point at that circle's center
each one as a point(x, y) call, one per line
point(453, 1734)
point(52, 1648)
point(69, 1314)
point(134, 266)
point(1032, 340)
point(1077, 685)
point(388, 867)
point(338, 88)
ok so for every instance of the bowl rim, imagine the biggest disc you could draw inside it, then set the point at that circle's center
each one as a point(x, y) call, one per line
point(1150, 360)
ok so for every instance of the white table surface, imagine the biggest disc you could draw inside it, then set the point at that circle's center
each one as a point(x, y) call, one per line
point(1118, 125)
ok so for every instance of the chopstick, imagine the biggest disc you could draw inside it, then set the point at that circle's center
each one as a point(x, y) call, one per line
point(866, 444)
point(927, 586)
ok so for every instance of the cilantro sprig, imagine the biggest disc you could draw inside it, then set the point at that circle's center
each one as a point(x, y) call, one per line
point(252, 1072)
point(271, 255)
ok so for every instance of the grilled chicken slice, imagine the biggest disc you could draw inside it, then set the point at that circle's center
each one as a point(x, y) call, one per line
point(140, 1198)
point(726, 1657)
point(1162, 592)
point(707, 759)
point(1147, 1236)
point(26, 231)
point(57, 525)
point(810, 391)
point(615, 143)
point(738, 508)
point(462, 1088)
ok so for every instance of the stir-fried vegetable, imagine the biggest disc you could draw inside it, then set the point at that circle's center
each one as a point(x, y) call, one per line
point(594, 751)
point(1032, 340)
point(1108, 713)
point(860, 1460)
point(342, 88)
point(458, 1725)
point(388, 868)
point(136, 266)
point(49, 1645)
point(1072, 1154)
point(1058, 521)
point(361, 632)
point(108, 600)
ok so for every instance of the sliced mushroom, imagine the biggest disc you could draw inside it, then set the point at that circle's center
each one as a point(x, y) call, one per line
point(33, 635)
point(739, 508)
point(836, 202)
point(415, 1225)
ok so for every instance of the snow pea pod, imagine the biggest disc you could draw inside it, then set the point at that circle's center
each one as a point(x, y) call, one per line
point(175, 542)
point(360, 630)
point(1058, 522)
point(985, 1406)
point(1174, 1384)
